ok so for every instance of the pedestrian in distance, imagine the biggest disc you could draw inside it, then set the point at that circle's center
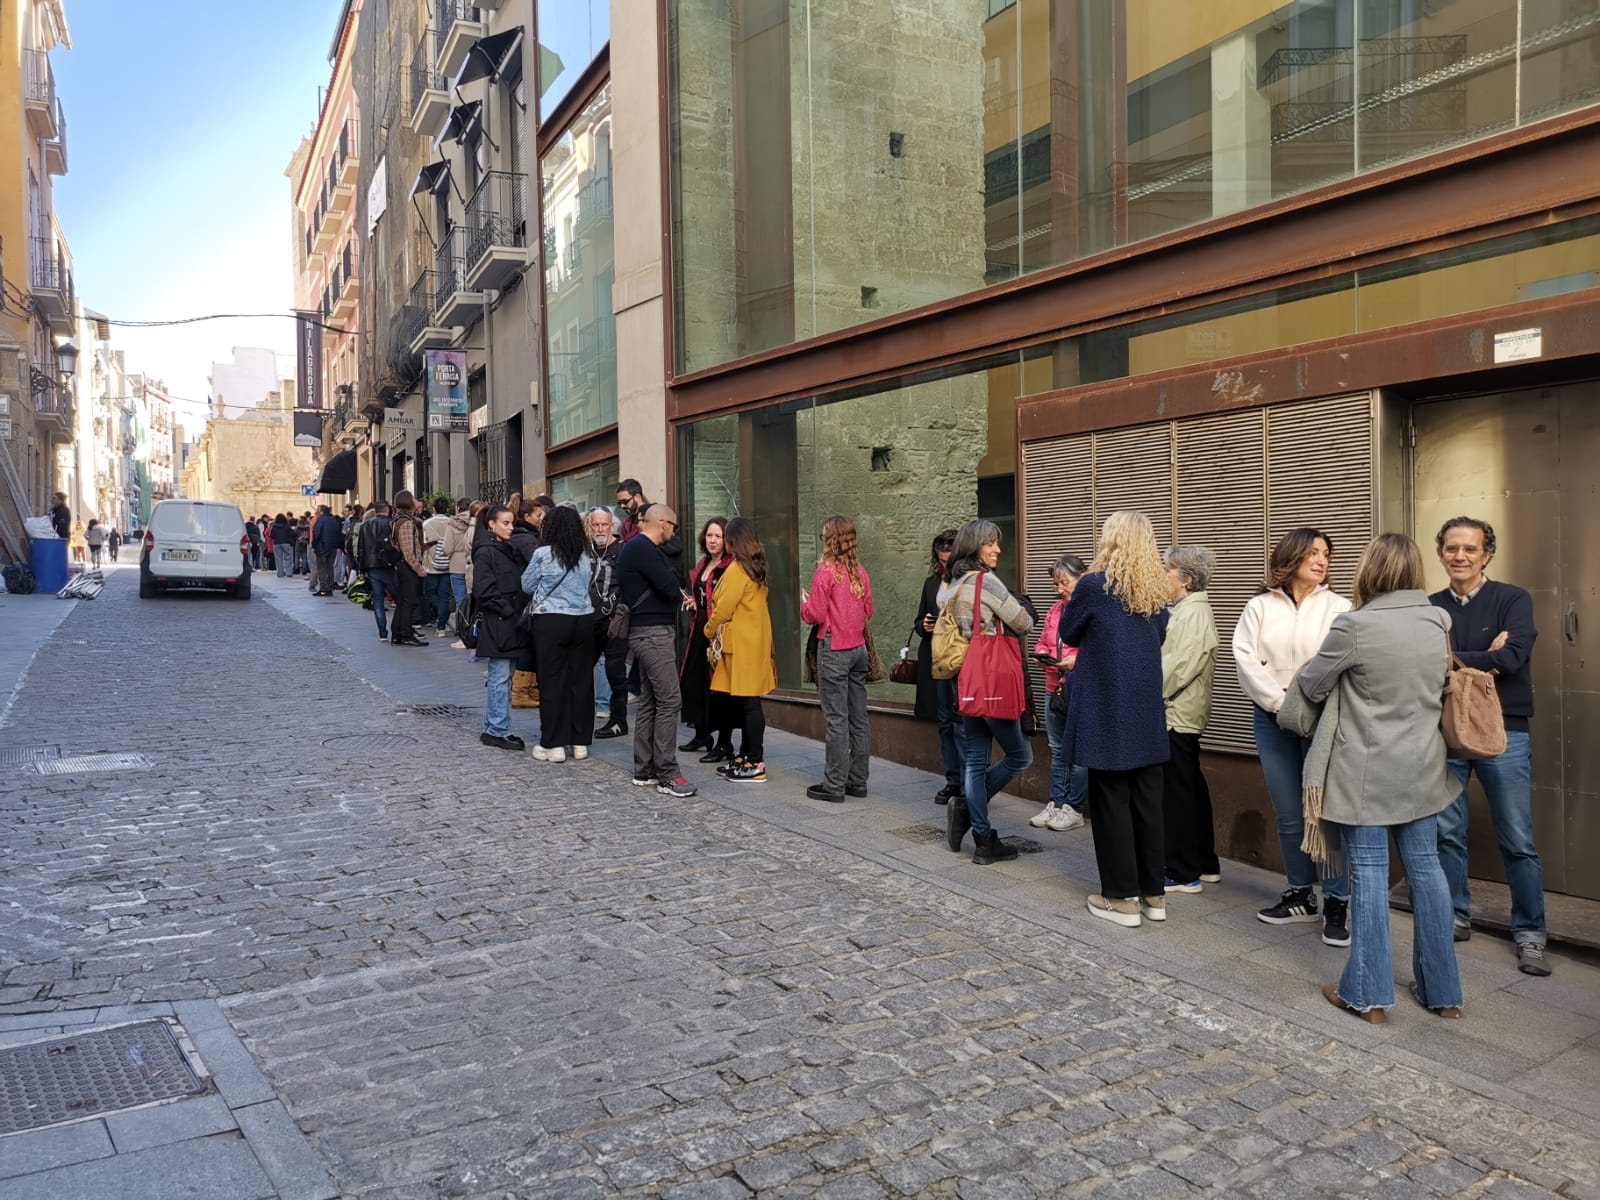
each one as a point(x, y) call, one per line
point(252, 530)
point(1492, 630)
point(1069, 782)
point(327, 535)
point(740, 637)
point(557, 581)
point(839, 604)
point(302, 545)
point(409, 568)
point(647, 584)
point(282, 546)
point(60, 515)
point(1278, 632)
point(114, 543)
point(457, 550)
point(95, 538)
point(437, 599)
point(1188, 661)
point(76, 542)
point(497, 593)
point(982, 611)
point(706, 711)
point(1371, 699)
point(610, 654)
point(1116, 724)
point(936, 698)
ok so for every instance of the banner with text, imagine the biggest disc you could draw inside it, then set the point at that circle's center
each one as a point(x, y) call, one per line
point(308, 360)
point(447, 390)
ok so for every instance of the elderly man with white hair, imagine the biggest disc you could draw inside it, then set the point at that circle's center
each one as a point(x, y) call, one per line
point(1188, 658)
point(611, 660)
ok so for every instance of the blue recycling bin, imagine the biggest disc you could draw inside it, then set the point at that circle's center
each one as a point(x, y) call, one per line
point(47, 557)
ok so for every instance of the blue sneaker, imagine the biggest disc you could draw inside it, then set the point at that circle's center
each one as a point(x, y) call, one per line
point(1178, 885)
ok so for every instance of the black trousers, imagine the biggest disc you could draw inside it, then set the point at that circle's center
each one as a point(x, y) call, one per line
point(408, 588)
point(615, 653)
point(745, 712)
point(563, 645)
point(1125, 816)
point(1186, 809)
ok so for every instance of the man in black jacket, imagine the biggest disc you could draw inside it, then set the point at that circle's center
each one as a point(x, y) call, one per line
point(60, 515)
point(1491, 629)
point(372, 536)
point(647, 584)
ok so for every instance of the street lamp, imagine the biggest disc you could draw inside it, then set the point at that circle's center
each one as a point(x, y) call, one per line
point(66, 359)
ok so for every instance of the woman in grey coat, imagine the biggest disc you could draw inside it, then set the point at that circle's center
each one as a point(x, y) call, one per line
point(1377, 766)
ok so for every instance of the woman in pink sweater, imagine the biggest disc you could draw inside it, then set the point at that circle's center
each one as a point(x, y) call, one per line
point(840, 604)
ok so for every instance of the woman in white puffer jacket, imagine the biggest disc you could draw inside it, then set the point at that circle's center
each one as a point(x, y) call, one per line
point(1280, 631)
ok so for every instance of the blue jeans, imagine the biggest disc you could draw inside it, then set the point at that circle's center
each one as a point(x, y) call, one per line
point(950, 749)
point(1069, 783)
point(283, 561)
point(458, 589)
point(982, 780)
point(497, 720)
point(1368, 979)
point(1281, 757)
point(1507, 783)
point(602, 687)
point(437, 595)
point(382, 582)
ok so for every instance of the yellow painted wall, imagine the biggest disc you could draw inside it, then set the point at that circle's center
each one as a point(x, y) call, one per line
point(1163, 31)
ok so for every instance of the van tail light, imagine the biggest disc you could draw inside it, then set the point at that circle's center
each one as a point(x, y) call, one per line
point(244, 543)
point(149, 540)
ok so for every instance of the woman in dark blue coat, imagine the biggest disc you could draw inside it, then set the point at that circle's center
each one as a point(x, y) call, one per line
point(497, 566)
point(1116, 721)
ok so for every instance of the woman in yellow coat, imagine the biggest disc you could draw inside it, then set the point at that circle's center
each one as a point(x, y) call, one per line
point(744, 670)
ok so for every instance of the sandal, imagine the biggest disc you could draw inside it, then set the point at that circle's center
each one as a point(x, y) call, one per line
point(1373, 1016)
point(1449, 1013)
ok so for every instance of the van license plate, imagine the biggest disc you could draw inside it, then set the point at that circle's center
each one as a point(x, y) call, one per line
point(180, 555)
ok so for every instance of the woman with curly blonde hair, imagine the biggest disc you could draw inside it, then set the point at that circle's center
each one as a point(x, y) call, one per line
point(1116, 723)
point(839, 604)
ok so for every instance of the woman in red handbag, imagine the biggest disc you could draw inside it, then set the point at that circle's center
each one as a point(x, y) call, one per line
point(990, 688)
point(1116, 723)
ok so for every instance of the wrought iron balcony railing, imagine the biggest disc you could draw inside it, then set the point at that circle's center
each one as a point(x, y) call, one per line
point(425, 76)
point(495, 213)
point(449, 266)
point(39, 78)
point(417, 311)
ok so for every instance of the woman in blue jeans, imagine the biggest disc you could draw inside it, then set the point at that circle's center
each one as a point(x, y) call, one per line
point(497, 568)
point(1069, 783)
point(1377, 768)
point(975, 551)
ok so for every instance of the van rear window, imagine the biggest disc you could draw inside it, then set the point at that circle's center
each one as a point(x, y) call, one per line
point(179, 520)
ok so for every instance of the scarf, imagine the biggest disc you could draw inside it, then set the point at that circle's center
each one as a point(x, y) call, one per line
point(1322, 839)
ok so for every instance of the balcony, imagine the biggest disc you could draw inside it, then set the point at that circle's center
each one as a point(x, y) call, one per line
point(597, 346)
point(346, 288)
point(594, 207)
point(325, 231)
point(420, 329)
point(52, 406)
point(452, 303)
point(39, 94)
point(461, 25)
point(497, 223)
point(347, 155)
point(430, 97)
point(50, 283)
point(55, 149)
point(344, 421)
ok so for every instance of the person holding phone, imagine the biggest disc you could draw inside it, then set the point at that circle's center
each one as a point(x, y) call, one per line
point(936, 698)
point(1069, 784)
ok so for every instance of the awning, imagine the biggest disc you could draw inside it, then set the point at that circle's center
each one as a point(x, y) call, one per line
point(490, 57)
point(462, 119)
point(338, 474)
point(432, 178)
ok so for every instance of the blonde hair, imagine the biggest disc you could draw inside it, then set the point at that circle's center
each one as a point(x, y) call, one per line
point(1132, 563)
point(839, 551)
point(1392, 562)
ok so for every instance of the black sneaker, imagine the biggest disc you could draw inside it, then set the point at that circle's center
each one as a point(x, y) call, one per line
point(1335, 921)
point(957, 822)
point(611, 729)
point(732, 765)
point(644, 781)
point(1295, 907)
point(676, 786)
point(717, 754)
point(859, 792)
point(945, 794)
point(502, 743)
point(817, 792)
point(745, 771)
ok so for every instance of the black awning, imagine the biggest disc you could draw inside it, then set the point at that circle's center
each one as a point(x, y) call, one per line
point(462, 119)
point(432, 178)
point(491, 57)
point(338, 474)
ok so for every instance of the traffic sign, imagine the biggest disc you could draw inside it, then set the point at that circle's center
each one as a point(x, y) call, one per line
point(308, 489)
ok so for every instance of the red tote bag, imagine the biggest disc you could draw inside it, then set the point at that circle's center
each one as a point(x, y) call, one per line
point(990, 683)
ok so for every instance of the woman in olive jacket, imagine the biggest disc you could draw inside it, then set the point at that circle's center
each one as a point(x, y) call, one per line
point(497, 595)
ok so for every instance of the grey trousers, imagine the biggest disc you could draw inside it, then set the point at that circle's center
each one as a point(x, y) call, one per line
point(655, 720)
point(842, 688)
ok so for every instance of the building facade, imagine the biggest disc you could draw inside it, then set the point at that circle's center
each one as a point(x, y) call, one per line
point(246, 454)
point(39, 305)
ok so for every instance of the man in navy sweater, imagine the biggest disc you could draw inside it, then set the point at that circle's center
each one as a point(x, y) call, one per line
point(1492, 630)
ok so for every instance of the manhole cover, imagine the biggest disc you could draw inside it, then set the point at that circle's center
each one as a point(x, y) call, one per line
point(14, 755)
point(74, 763)
point(369, 743)
point(452, 711)
point(936, 834)
point(89, 1074)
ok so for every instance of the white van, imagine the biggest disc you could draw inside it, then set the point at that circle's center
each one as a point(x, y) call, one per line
point(195, 543)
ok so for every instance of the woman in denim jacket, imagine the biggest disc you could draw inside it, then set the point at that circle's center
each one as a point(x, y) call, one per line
point(557, 579)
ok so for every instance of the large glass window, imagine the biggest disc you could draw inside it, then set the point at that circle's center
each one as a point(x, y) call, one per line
point(834, 162)
point(571, 33)
point(580, 329)
point(902, 463)
point(592, 487)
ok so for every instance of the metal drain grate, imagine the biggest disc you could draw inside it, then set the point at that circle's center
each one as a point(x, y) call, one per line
point(932, 834)
point(374, 743)
point(453, 712)
point(74, 763)
point(89, 1074)
point(11, 756)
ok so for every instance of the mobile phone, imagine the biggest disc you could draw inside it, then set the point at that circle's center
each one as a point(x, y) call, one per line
point(1043, 657)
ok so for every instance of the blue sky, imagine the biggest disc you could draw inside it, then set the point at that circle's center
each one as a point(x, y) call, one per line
point(181, 119)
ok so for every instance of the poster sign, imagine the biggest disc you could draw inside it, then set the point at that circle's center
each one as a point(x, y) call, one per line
point(1518, 345)
point(308, 429)
point(308, 364)
point(377, 194)
point(447, 390)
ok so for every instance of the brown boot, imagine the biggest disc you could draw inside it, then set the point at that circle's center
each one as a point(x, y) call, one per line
point(524, 690)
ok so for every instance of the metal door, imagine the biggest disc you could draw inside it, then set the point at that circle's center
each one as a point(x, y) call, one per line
point(1523, 462)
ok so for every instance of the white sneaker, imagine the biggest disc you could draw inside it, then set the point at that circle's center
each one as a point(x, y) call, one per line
point(1065, 818)
point(580, 753)
point(542, 754)
point(1211, 878)
point(1043, 817)
point(556, 755)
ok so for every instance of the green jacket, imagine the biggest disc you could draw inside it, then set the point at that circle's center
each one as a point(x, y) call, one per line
point(1187, 658)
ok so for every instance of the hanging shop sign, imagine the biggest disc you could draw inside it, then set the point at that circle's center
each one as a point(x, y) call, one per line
point(447, 390)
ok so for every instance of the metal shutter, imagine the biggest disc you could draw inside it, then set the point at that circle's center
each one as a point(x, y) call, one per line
point(1221, 505)
point(1058, 481)
point(1321, 474)
point(1133, 469)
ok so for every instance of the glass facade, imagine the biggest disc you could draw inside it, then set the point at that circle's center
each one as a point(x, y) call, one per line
point(835, 162)
point(589, 488)
point(580, 329)
point(571, 33)
point(902, 463)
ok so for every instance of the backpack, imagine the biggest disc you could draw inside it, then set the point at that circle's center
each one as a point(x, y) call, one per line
point(467, 622)
point(390, 554)
point(19, 579)
point(949, 643)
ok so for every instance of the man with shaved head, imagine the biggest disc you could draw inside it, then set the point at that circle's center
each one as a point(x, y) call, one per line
point(649, 586)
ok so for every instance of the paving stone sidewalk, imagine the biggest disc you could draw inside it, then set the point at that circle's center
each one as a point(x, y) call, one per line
point(468, 974)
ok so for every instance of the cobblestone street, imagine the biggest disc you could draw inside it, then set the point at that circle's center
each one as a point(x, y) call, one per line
point(467, 973)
